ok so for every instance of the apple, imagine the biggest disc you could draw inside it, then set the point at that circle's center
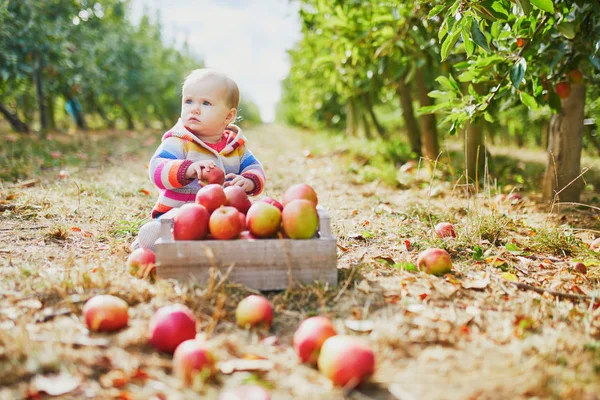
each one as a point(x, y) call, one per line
point(192, 357)
point(514, 197)
point(346, 360)
point(170, 326)
point(105, 313)
point(595, 245)
point(309, 338)
point(212, 197)
point(408, 166)
point(445, 230)
point(141, 262)
point(300, 191)
point(263, 219)
point(254, 310)
point(271, 200)
point(242, 218)
point(434, 261)
point(563, 89)
point(580, 267)
point(224, 223)
point(236, 197)
point(190, 222)
point(300, 219)
point(247, 235)
point(576, 76)
point(213, 176)
point(246, 392)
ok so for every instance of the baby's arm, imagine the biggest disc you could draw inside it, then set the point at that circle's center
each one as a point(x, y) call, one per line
point(168, 166)
point(251, 176)
point(194, 171)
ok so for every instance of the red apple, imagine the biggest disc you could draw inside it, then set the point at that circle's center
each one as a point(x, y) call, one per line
point(514, 197)
point(170, 326)
point(192, 357)
point(263, 219)
point(211, 197)
point(576, 76)
point(105, 313)
point(254, 310)
point(309, 338)
point(247, 235)
point(563, 89)
point(242, 218)
point(434, 261)
point(271, 200)
point(141, 262)
point(190, 222)
point(580, 267)
point(212, 176)
point(300, 219)
point(346, 360)
point(224, 223)
point(246, 392)
point(445, 230)
point(236, 197)
point(300, 191)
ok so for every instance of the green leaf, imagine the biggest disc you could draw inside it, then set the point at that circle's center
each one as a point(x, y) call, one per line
point(528, 100)
point(466, 35)
point(406, 266)
point(525, 6)
point(513, 248)
point(478, 36)
point(488, 117)
point(493, 9)
point(448, 83)
point(467, 76)
point(435, 11)
point(595, 61)
point(545, 5)
point(517, 72)
point(477, 253)
point(449, 43)
point(567, 29)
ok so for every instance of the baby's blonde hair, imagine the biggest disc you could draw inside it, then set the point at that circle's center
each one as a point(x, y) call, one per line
point(233, 92)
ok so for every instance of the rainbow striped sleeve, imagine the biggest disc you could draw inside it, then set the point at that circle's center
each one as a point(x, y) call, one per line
point(168, 165)
point(252, 169)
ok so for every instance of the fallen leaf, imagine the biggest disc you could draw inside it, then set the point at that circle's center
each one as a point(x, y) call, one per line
point(76, 229)
point(509, 277)
point(479, 281)
point(145, 192)
point(55, 385)
point(363, 325)
point(385, 260)
point(115, 378)
point(495, 261)
point(239, 364)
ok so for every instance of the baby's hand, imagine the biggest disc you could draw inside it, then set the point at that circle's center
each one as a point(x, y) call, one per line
point(241, 181)
point(195, 170)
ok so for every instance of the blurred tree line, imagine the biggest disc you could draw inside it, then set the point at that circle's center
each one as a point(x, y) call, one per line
point(88, 59)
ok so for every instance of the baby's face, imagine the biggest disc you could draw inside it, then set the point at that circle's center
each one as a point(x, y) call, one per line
point(204, 108)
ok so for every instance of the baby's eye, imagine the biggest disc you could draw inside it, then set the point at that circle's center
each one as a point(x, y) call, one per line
point(206, 103)
point(188, 101)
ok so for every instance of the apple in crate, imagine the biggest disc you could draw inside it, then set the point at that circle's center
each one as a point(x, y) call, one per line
point(140, 260)
point(434, 261)
point(224, 223)
point(246, 392)
point(211, 197)
point(170, 326)
point(106, 313)
point(300, 191)
point(212, 176)
point(445, 230)
point(263, 219)
point(247, 235)
point(271, 200)
point(190, 222)
point(242, 218)
point(236, 197)
point(346, 360)
point(300, 219)
point(310, 336)
point(254, 310)
point(190, 358)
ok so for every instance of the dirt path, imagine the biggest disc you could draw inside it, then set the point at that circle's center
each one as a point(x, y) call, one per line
point(470, 335)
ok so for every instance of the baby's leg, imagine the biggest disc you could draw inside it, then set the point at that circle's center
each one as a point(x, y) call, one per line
point(150, 232)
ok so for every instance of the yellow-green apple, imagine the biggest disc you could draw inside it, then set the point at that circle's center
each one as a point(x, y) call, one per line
point(445, 230)
point(211, 197)
point(254, 310)
point(563, 89)
point(236, 197)
point(300, 191)
point(434, 261)
point(211, 176)
point(263, 219)
point(247, 235)
point(105, 313)
point(170, 326)
point(224, 223)
point(271, 200)
point(141, 262)
point(190, 222)
point(193, 357)
point(300, 219)
point(309, 338)
point(346, 360)
point(245, 392)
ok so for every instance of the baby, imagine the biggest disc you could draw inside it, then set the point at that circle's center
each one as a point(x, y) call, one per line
point(203, 138)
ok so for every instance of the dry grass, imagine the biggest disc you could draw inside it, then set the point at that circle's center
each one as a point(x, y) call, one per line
point(469, 334)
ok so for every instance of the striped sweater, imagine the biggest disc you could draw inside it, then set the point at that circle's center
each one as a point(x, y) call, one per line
point(180, 148)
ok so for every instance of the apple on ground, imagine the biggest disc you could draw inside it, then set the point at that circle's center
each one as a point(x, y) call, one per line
point(563, 89)
point(211, 176)
point(271, 200)
point(310, 336)
point(237, 197)
point(211, 197)
point(224, 223)
point(190, 222)
point(245, 392)
point(445, 230)
point(253, 311)
point(193, 357)
point(300, 219)
point(263, 219)
point(300, 191)
point(170, 326)
point(141, 262)
point(434, 261)
point(105, 313)
point(580, 267)
point(346, 360)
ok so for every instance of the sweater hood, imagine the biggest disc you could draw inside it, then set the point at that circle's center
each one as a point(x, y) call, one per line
point(234, 134)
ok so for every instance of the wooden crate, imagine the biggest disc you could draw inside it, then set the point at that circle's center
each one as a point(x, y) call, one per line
point(262, 264)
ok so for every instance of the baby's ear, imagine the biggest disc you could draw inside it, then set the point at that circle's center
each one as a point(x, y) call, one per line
point(231, 116)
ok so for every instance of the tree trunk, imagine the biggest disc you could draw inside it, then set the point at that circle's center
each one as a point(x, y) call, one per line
point(39, 91)
point(128, 118)
point(98, 108)
point(13, 119)
point(371, 112)
point(51, 119)
point(366, 127)
point(564, 150)
point(351, 120)
point(412, 127)
point(474, 152)
point(544, 135)
point(429, 134)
